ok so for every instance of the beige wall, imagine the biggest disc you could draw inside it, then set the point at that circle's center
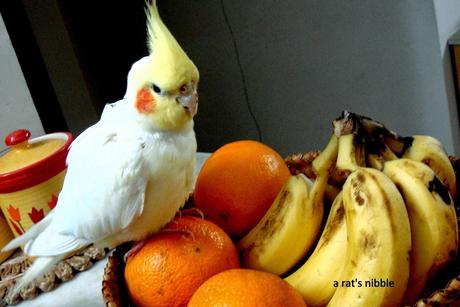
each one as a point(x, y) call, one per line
point(17, 110)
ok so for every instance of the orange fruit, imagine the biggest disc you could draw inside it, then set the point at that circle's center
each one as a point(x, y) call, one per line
point(246, 288)
point(173, 263)
point(238, 183)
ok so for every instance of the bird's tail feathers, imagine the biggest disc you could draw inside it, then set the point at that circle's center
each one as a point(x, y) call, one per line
point(30, 234)
point(40, 267)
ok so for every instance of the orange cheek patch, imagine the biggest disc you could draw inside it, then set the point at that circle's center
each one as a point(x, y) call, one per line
point(145, 102)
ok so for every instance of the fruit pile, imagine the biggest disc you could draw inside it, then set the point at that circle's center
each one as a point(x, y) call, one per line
point(368, 221)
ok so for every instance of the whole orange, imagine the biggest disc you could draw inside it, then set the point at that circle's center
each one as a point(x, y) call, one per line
point(174, 262)
point(238, 183)
point(246, 288)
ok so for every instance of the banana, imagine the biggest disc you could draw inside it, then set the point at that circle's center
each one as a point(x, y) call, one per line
point(377, 158)
point(292, 224)
point(323, 162)
point(430, 151)
point(387, 145)
point(273, 242)
point(350, 148)
point(432, 219)
point(350, 154)
point(379, 242)
point(314, 279)
point(422, 148)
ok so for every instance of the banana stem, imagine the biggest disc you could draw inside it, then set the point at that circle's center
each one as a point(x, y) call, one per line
point(348, 128)
point(379, 144)
point(324, 161)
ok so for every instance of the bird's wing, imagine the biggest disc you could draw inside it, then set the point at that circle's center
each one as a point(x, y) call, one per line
point(103, 190)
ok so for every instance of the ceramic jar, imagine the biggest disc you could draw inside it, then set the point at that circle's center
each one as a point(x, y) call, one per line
point(31, 176)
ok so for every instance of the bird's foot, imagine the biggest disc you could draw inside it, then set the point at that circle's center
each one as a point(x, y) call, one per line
point(137, 246)
point(191, 212)
point(185, 232)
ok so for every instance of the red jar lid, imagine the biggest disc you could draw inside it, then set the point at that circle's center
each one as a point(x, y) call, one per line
point(29, 162)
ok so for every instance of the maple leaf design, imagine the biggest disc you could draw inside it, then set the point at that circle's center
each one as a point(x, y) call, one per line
point(14, 213)
point(53, 201)
point(17, 228)
point(36, 215)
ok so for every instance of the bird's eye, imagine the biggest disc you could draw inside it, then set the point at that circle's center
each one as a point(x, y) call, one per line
point(156, 89)
point(183, 89)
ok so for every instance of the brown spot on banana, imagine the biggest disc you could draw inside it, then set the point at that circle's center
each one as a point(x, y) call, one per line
point(368, 243)
point(270, 226)
point(353, 263)
point(435, 185)
point(337, 219)
point(386, 200)
point(361, 179)
point(357, 184)
point(358, 198)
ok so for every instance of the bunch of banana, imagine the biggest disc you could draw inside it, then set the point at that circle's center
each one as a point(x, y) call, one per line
point(325, 264)
point(399, 219)
point(391, 227)
point(292, 224)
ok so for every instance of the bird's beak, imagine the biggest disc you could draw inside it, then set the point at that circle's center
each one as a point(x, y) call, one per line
point(189, 102)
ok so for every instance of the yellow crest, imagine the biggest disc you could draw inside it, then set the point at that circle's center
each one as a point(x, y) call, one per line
point(169, 60)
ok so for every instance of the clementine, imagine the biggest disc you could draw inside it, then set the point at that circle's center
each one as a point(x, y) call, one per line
point(246, 288)
point(173, 263)
point(238, 183)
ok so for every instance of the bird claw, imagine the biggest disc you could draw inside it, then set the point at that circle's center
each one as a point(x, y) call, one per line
point(191, 212)
point(137, 246)
point(185, 232)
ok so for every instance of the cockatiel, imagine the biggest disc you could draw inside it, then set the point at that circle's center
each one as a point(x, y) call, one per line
point(131, 172)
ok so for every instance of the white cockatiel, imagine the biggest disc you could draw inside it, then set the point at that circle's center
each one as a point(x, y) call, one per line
point(132, 171)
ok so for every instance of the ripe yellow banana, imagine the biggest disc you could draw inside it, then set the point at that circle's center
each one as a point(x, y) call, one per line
point(350, 148)
point(273, 244)
point(379, 242)
point(432, 218)
point(350, 154)
point(430, 151)
point(315, 278)
point(292, 224)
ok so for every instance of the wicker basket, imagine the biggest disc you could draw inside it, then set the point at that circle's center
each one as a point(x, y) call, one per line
point(442, 291)
point(65, 270)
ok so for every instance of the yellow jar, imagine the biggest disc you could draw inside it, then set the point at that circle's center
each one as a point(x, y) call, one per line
point(31, 176)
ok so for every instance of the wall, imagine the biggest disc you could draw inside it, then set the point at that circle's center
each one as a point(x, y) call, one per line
point(305, 61)
point(284, 68)
point(62, 64)
point(448, 22)
point(17, 110)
